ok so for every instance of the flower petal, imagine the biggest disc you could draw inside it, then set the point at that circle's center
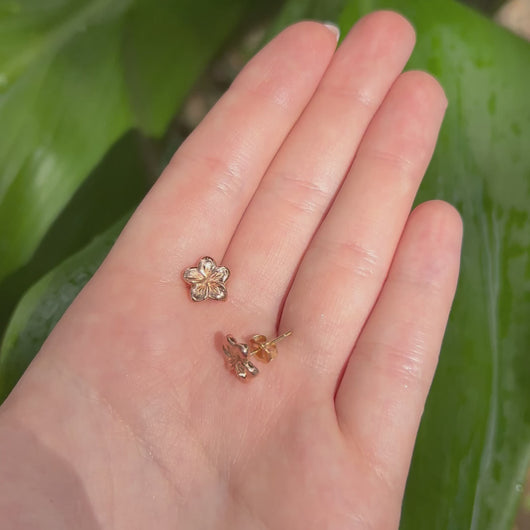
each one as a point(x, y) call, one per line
point(216, 291)
point(192, 275)
point(220, 275)
point(206, 266)
point(199, 292)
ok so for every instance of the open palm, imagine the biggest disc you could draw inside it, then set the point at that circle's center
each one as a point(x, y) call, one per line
point(301, 181)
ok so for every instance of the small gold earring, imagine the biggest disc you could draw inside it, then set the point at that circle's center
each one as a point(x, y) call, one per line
point(238, 353)
point(206, 280)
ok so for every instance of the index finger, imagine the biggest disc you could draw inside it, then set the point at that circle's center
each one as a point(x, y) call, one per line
point(198, 201)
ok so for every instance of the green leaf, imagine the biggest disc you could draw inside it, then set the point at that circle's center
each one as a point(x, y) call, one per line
point(74, 77)
point(43, 305)
point(114, 188)
point(473, 447)
point(166, 46)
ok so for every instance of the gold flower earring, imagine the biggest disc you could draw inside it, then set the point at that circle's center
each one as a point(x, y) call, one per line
point(207, 280)
point(238, 354)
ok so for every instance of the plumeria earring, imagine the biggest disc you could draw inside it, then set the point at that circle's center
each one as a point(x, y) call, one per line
point(207, 280)
point(238, 354)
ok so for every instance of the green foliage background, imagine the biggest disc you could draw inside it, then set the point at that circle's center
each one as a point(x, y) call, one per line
point(85, 86)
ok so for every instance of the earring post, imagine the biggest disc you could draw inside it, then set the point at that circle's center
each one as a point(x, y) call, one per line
point(270, 342)
point(281, 337)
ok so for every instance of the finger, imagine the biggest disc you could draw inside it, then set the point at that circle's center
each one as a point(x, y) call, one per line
point(349, 257)
point(198, 201)
point(305, 175)
point(382, 394)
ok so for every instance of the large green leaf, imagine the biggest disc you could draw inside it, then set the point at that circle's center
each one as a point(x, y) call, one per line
point(473, 447)
point(43, 305)
point(74, 76)
point(113, 188)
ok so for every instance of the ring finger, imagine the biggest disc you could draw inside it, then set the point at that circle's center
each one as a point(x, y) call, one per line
point(349, 257)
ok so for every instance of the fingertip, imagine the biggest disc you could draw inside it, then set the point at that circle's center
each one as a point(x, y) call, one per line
point(435, 232)
point(311, 35)
point(424, 89)
point(441, 218)
point(303, 49)
point(335, 30)
point(392, 25)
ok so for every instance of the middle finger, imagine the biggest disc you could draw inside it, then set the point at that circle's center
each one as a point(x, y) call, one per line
point(304, 176)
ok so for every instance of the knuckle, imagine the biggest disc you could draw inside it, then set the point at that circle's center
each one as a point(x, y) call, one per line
point(223, 174)
point(348, 93)
point(351, 257)
point(404, 363)
point(300, 193)
point(267, 91)
point(424, 277)
point(395, 161)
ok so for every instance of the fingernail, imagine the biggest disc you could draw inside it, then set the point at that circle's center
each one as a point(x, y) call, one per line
point(333, 28)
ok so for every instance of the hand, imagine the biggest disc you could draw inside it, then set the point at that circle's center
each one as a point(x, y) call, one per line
point(300, 180)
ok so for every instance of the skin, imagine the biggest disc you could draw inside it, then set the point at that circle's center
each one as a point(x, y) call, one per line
point(300, 180)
